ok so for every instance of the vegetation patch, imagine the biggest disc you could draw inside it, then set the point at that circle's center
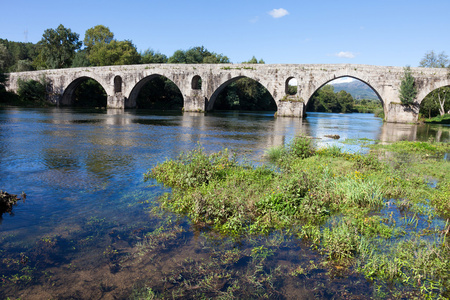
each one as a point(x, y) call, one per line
point(371, 214)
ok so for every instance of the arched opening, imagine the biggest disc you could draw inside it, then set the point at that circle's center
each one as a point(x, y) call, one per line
point(155, 92)
point(117, 84)
point(196, 83)
point(291, 86)
point(84, 92)
point(346, 95)
point(242, 93)
point(436, 103)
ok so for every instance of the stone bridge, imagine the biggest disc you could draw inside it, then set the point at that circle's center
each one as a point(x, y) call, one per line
point(123, 83)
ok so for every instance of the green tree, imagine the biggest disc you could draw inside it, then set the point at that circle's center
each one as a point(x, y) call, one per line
point(58, 47)
point(253, 60)
point(437, 101)
point(433, 60)
point(99, 34)
point(81, 59)
point(197, 55)
point(408, 89)
point(31, 91)
point(151, 57)
point(345, 101)
point(114, 53)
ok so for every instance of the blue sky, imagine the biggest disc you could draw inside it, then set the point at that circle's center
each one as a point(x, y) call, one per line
point(389, 33)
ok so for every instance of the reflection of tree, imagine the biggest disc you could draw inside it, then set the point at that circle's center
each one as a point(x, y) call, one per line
point(392, 132)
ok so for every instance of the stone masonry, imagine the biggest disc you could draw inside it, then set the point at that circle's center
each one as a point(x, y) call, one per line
point(123, 83)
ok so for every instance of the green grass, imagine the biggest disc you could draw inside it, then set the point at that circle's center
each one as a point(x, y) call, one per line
point(445, 119)
point(376, 212)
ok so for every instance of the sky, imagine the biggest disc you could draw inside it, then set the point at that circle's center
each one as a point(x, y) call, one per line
point(382, 32)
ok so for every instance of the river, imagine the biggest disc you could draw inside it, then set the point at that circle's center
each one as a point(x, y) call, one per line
point(87, 205)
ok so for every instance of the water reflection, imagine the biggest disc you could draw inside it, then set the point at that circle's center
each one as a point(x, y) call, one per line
point(82, 170)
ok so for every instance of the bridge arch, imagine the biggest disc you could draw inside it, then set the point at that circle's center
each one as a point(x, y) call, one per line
point(226, 83)
point(131, 101)
point(330, 79)
point(428, 88)
point(68, 96)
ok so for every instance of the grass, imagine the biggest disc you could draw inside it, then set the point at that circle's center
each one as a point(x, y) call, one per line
point(377, 214)
point(445, 119)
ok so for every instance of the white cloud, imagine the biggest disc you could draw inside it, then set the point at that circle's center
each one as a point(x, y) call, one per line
point(345, 54)
point(342, 80)
point(293, 81)
point(278, 13)
point(254, 20)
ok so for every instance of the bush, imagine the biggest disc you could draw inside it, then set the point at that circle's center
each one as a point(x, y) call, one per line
point(31, 91)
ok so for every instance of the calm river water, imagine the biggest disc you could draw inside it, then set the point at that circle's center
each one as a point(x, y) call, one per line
point(87, 205)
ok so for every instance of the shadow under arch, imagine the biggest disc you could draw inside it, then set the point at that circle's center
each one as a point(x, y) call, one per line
point(166, 90)
point(212, 103)
point(308, 102)
point(70, 93)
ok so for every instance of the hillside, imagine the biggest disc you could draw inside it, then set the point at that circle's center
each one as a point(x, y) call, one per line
point(358, 89)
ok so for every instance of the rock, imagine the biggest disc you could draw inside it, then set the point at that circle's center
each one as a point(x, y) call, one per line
point(7, 201)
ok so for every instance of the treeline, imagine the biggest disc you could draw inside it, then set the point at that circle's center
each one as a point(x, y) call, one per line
point(327, 100)
point(62, 48)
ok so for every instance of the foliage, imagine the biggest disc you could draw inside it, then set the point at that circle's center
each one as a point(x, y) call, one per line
point(335, 201)
point(408, 89)
point(433, 60)
point(326, 100)
point(197, 55)
point(436, 103)
point(253, 60)
point(31, 91)
point(245, 94)
point(90, 94)
point(58, 47)
point(113, 53)
point(81, 59)
point(160, 93)
point(99, 34)
point(445, 119)
point(11, 53)
point(151, 57)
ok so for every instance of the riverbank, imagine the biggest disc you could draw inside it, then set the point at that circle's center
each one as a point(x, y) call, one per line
point(382, 215)
point(445, 119)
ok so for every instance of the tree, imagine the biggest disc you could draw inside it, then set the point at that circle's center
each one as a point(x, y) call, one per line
point(81, 59)
point(436, 100)
point(408, 89)
point(197, 55)
point(114, 53)
point(432, 60)
point(99, 34)
point(58, 47)
point(151, 57)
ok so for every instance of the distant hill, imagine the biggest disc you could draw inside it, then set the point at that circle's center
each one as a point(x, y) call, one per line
point(356, 88)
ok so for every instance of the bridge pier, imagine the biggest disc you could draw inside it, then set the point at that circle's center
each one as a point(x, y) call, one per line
point(399, 113)
point(196, 101)
point(116, 101)
point(291, 108)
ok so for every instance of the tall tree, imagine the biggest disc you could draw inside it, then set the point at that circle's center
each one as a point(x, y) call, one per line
point(59, 46)
point(197, 55)
point(99, 34)
point(151, 57)
point(114, 53)
point(433, 60)
point(437, 100)
point(408, 89)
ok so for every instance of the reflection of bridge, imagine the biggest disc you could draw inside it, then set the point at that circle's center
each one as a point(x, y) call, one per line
point(201, 83)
